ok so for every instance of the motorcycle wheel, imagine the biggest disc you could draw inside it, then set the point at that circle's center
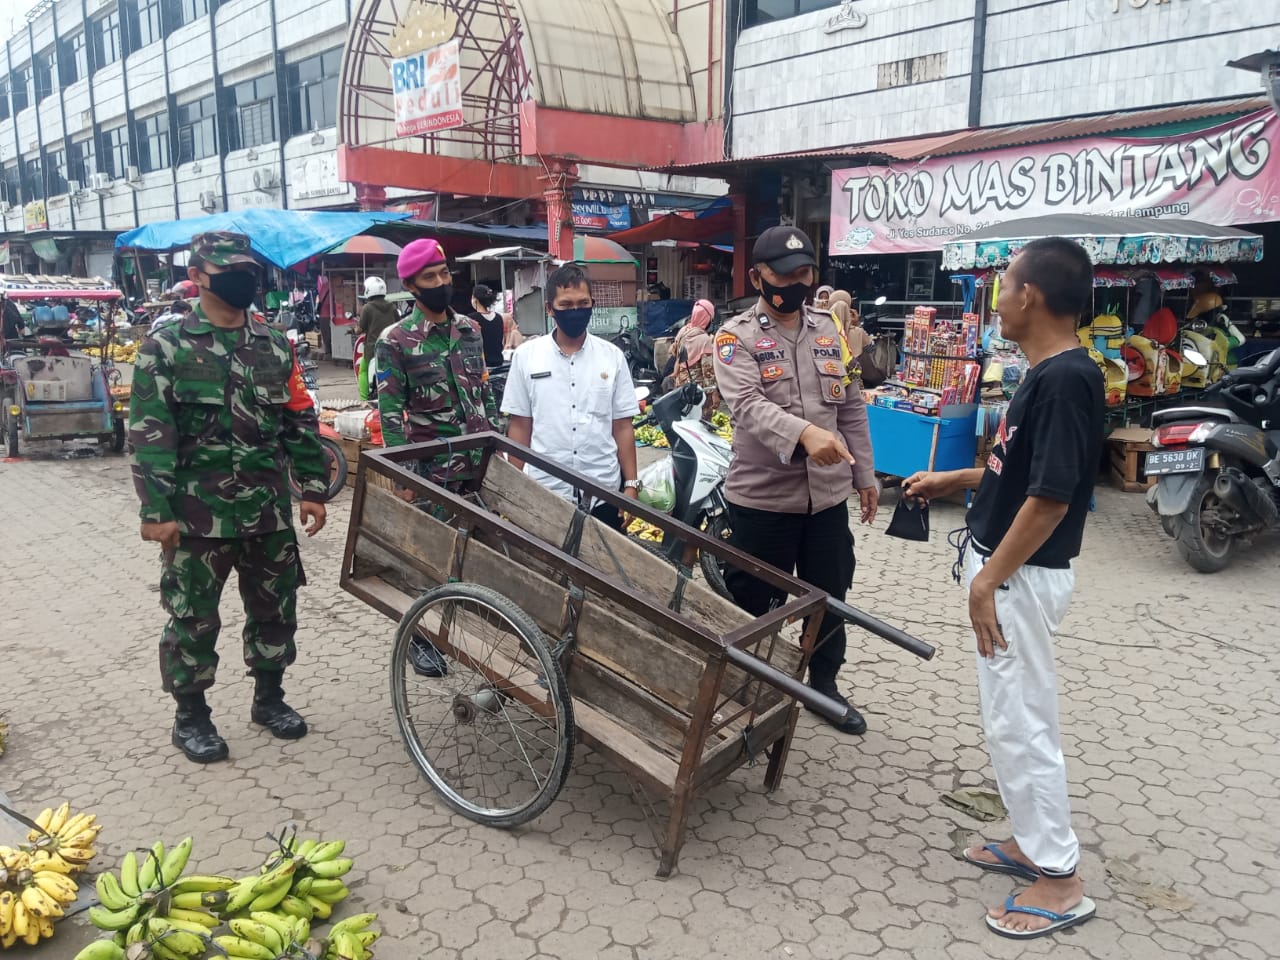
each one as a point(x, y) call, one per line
point(11, 431)
point(335, 463)
point(713, 566)
point(1205, 550)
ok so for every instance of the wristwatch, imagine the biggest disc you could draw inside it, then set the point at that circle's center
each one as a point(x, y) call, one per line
point(635, 485)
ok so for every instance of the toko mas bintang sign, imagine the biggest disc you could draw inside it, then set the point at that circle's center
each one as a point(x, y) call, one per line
point(1220, 175)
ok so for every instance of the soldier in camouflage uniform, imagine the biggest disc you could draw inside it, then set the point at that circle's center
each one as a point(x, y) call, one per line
point(218, 414)
point(432, 385)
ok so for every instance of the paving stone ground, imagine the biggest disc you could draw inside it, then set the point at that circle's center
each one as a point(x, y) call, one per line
point(1169, 713)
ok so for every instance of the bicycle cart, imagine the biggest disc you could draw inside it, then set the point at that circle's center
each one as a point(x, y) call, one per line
point(525, 625)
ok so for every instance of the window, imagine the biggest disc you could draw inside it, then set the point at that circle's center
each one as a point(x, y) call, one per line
point(107, 43)
point(251, 119)
point(20, 84)
point(152, 137)
point(33, 182)
point(146, 22)
point(766, 11)
point(114, 152)
point(11, 185)
point(197, 130)
point(55, 172)
point(80, 162)
point(182, 12)
point(74, 59)
point(313, 92)
point(4, 100)
point(42, 65)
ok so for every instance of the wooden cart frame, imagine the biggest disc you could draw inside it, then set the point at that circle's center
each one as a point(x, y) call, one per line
point(675, 685)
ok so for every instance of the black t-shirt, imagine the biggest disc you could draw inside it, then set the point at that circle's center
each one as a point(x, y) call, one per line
point(1049, 445)
point(491, 330)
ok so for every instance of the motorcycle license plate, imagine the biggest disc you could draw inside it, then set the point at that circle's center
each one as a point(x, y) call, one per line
point(1161, 462)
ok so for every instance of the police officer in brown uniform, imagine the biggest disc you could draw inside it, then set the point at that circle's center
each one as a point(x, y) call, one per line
point(801, 444)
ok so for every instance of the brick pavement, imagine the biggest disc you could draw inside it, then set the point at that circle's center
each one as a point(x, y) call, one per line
point(1170, 721)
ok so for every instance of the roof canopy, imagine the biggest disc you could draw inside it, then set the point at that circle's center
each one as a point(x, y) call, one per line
point(281, 237)
point(32, 287)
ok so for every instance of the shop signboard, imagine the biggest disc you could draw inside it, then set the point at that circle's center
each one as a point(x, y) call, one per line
point(1224, 175)
point(4, 253)
point(35, 216)
point(591, 215)
point(427, 87)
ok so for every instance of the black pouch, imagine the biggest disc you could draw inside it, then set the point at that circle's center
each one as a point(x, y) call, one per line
point(910, 520)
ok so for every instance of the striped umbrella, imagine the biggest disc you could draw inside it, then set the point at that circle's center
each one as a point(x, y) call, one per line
point(365, 245)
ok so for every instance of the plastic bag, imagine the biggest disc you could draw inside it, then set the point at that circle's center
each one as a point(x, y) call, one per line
point(658, 485)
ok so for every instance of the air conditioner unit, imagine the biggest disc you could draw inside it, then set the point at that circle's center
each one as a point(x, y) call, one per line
point(100, 182)
point(210, 202)
point(266, 178)
point(132, 174)
point(73, 187)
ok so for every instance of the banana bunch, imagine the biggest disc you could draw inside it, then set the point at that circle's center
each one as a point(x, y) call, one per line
point(303, 880)
point(645, 531)
point(34, 890)
point(155, 903)
point(264, 935)
point(651, 436)
point(720, 421)
point(124, 352)
point(351, 938)
point(66, 836)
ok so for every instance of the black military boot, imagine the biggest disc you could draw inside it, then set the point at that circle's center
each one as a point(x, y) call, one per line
point(193, 730)
point(426, 659)
point(854, 724)
point(270, 710)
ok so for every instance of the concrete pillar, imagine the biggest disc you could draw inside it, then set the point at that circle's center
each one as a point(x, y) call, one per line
point(370, 197)
point(558, 181)
point(741, 254)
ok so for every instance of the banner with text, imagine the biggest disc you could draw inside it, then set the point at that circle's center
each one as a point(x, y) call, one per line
point(1221, 175)
point(427, 87)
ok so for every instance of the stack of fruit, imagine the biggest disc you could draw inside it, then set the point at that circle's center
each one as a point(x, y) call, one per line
point(155, 912)
point(37, 879)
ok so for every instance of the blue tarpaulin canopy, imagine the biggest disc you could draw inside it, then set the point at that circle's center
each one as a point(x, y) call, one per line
point(281, 237)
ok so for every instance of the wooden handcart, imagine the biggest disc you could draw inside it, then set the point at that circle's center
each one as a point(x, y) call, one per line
point(526, 625)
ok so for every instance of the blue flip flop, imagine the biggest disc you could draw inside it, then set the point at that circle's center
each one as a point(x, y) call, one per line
point(1006, 865)
point(1082, 911)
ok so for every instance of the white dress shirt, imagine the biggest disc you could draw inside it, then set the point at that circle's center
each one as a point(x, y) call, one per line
point(573, 400)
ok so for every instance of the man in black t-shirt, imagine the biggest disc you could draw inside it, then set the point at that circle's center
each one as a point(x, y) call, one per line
point(1026, 525)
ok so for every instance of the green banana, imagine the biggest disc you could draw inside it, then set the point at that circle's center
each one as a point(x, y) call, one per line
point(149, 869)
point(105, 919)
point(333, 896)
point(323, 908)
point(200, 899)
point(296, 907)
point(326, 888)
point(327, 851)
point(367, 937)
point(185, 943)
point(137, 934)
point(303, 886)
point(270, 898)
point(257, 932)
point(240, 896)
point(301, 930)
point(282, 925)
point(241, 948)
point(330, 869)
point(109, 892)
point(354, 924)
point(202, 883)
point(192, 919)
point(304, 848)
point(286, 868)
point(101, 950)
point(129, 875)
point(174, 862)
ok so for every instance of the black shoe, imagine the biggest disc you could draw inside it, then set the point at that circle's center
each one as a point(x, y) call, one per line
point(426, 659)
point(854, 723)
point(270, 710)
point(193, 730)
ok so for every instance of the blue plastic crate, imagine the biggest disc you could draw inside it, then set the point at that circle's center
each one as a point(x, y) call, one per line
point(905, 442)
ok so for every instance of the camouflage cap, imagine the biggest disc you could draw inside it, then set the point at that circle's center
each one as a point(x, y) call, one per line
point(222, 249)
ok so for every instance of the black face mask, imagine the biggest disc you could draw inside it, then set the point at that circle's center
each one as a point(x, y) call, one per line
point(235, 288)
point(434, 299)
point(573, 323)
point(786, 299)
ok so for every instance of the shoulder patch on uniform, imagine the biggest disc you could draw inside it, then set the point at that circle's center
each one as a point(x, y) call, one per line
point(766, 343)
point(726, 347)
point(825, 341)
point(771, 372)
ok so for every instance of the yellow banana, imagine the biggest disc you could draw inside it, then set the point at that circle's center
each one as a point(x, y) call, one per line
point(40, 904)
point(32, 937)
point(294, 906)
point(241, 948)
point(101, 950)
point(109, 893)
point(323, 909)
point(175, 861)
point(42, 820)
point(46, 928)
point(327, 851)
point(80, 823)
point(329, 869)
point(200, 899)
point(7, 900)
point(240, 896)
point(58, 818)
point(129, 875)
point(257, 932)
point(77, 856)
point(46, 862)
point(20, 920)
point(60, 888)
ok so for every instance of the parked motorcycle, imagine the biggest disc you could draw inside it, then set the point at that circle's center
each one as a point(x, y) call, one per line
point(1218, 467)
point(699, 462)
point(335, 460)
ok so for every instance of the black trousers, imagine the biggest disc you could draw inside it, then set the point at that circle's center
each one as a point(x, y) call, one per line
point(817, 547)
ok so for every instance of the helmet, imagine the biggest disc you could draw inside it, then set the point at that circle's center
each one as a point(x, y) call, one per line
point(374, 287)
point(185, 289)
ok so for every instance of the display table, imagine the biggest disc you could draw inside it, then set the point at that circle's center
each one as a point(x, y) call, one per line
point(905, 442)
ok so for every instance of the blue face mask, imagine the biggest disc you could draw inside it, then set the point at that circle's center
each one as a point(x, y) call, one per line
point(573, 323)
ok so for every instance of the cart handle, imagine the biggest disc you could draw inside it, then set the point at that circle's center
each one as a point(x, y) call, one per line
point(857, 618)
point(833, 710)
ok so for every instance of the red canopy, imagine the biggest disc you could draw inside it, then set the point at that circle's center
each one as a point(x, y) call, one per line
point(675, 226)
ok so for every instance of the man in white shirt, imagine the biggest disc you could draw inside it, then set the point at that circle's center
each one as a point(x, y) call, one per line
point(571, 399)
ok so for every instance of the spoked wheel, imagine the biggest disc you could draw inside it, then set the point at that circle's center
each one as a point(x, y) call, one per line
point(335, 467)
point(712, 566)
point(494, 735)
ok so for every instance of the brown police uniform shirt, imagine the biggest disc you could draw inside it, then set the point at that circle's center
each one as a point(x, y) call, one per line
point(775, 383)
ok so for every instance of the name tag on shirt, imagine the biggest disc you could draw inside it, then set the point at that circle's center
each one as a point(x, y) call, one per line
point(540, 376)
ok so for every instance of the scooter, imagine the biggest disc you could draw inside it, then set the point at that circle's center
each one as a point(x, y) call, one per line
point(1218, 467)
point(700, 462)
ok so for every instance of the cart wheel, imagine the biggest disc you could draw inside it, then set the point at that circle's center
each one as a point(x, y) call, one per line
point(494, 735)
point(117, 437)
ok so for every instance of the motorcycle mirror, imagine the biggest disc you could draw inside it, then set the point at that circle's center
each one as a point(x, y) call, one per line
point(880, 301)
point(642, 394)
point(1195, 357)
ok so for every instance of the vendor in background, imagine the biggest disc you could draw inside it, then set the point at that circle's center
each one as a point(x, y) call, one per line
point(699, 363)
point(492, 328)
point(846, 315)
point(822, 298)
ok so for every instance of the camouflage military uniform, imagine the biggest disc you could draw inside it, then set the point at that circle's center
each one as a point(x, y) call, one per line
point(214, 426)
point(432, 385)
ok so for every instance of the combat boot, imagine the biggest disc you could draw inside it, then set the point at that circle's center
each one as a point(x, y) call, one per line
point(193, 730)
point(269, 708)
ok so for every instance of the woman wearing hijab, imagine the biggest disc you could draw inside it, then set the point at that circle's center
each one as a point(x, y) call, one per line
point(822, 298)
point(695, 340)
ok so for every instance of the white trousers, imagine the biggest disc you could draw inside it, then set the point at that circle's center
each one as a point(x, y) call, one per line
point(1018, 694)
